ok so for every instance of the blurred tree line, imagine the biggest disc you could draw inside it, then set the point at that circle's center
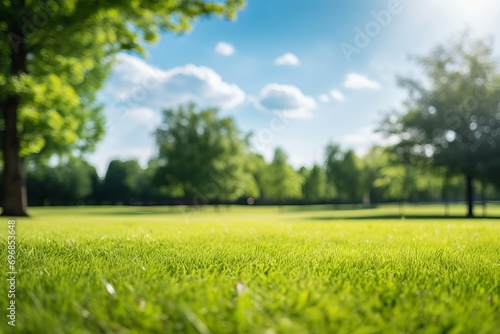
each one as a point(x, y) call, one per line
point(447, 135)
point(203, 158)
point(55, 56)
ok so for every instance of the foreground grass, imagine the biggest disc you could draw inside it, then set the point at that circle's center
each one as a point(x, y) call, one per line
point(255, 270)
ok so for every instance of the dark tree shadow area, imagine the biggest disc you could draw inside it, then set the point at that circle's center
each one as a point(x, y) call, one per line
point(131, 213)
point(406, 217)
point(335, 207)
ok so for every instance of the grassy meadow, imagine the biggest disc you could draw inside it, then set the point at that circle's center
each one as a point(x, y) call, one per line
point(255, 270)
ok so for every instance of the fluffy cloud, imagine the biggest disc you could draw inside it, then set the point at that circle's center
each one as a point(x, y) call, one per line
point(145, 116)
point(324, 98)
point(286, 100)
point(135, 94)
point(135, 84)
point(129, 135)
point(334, 94)
point(224, 49)
point(358, 81)
point(364, 138)
point(288, 59)
point(337, 95)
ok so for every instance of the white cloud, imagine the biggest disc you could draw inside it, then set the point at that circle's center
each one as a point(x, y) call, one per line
point(145, 116)
point(337, 95)
point(286, 100)
point(134, 96)
point(288, 59)
point(128, 136)
point(365, 138)
point(359, 81)
point(134, 84)
point(334, 94)
point(324, 98)
point(225, 49)
point(108, 151)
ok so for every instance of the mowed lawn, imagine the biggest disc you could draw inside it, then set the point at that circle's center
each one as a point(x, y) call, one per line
point(255, 270)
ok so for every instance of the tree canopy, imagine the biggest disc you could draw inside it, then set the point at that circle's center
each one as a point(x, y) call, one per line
point(54, 57)
point(452, 118)
point(344, 173)
point(280, 181)
point(314, 187)
point(201, 154)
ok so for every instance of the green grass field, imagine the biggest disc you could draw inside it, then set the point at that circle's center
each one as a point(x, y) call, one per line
point(255, 270)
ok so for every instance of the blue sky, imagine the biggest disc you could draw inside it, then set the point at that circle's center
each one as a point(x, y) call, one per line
point(298, 74)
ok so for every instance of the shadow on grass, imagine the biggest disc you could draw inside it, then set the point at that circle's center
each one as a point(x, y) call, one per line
point(165, 210)
point(134, 213)
point(406, 217)
point(336, 207)
point(104, 211)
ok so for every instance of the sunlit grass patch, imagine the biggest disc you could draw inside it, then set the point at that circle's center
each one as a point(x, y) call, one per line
point(255, 270)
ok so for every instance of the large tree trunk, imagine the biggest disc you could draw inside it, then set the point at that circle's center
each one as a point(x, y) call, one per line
point(444, 196)
point(483, 196)
point(469, 196)
point(14, 188)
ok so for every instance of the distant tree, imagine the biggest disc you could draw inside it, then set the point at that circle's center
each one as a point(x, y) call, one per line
point(398, 179)
point(42, 184)
point(352, 172)
point(489, 171)
point(304, 172)
point(121, 183)
point(70, 182)
point(452, 118)
point(489, 179)
point(147, 190)
point(255, 168)
point(334, 156)
point(54, 57)
point(281, 182)
point(95, 196)
point(201, 155)
point(314, 187)
point(373, 163)
point(344, 172)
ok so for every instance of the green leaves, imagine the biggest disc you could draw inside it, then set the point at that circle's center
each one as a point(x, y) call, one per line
point(67, 183)
point(201, 154)
point(343, 170)
point(451, 119)
point(314, 187)
point(56, 127)
point(54, 57)
point(280, 182)
point(460, 97)
point(70, 46)
point(123, 182)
